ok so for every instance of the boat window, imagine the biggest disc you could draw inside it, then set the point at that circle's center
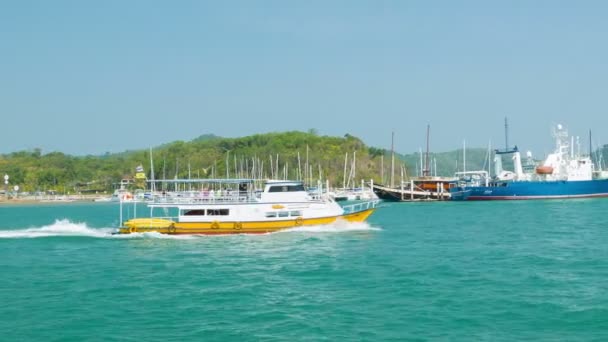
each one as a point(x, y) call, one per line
point(271, 214)
point(195, 212)
point(218, 212)
point(296, 213)
point(283, 213)
point(286, 188)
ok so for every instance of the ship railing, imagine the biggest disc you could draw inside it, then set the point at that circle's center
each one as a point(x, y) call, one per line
point(361, 206)
point(223, 199)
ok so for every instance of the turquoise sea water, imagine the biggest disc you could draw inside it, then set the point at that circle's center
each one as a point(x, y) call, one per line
point(529, 270)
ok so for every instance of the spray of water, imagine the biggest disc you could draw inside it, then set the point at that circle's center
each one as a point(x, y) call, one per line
point(66, 228)
point(58, 228)
point(336, 227)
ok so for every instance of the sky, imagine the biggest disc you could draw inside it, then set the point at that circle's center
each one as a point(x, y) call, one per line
point(90, 77)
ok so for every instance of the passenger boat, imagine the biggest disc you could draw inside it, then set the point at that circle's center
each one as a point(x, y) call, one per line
point(362, 193)
point(235, 207)
point(563, 174)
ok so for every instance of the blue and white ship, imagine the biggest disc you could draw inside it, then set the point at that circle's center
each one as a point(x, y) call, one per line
point(565, 173)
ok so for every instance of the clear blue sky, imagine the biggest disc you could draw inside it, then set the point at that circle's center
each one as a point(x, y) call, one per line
point(86, 77)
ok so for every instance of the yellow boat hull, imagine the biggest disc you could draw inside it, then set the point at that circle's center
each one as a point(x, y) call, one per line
point(144, 225)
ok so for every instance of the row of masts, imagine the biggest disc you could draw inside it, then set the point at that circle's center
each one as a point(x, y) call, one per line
point(254, 168)
point(258, 169)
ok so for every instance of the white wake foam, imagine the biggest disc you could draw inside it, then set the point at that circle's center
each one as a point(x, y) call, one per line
point(58, 228)
point(155, 235)
point(65, 227)
point(336, 227)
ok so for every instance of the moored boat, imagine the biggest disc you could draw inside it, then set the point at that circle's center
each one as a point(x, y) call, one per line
point(424, 188)
point(563, 174)
point(235, 207)
point(417, 189)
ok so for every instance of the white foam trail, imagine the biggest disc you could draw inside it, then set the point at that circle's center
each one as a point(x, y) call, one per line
point(336, 227)
point(58, 228)
point(155, 235)
point(65, 227)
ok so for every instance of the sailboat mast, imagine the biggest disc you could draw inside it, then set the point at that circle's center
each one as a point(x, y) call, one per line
point(354, 167)
point(420, 170)
point(299, 168)
point(152, 186)
point(464, 156)
point(392, 159)
point(344, 177)
point(426, 158)
point(306, 166)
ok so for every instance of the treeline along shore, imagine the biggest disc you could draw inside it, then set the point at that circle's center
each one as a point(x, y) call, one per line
point(286, 155)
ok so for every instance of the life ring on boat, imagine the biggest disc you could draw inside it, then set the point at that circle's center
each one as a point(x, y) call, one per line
point(132, 229)
point(215, 225)
point(171, 228)
point(238, 225)
point(299, 221)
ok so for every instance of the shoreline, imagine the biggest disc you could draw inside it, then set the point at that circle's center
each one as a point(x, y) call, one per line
point(51, 200)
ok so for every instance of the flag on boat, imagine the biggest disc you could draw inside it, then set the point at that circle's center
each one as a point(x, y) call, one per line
point(139, 172)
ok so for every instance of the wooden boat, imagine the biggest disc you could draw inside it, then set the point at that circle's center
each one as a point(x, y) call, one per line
point(425, 188)
point(417, 189)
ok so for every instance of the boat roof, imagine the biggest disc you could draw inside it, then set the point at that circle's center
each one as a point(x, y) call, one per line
point(204, 180)
point(278, 181)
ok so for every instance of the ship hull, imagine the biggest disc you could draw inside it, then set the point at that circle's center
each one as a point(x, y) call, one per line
point(421, 192)
point(528, 190)
point(145, 225)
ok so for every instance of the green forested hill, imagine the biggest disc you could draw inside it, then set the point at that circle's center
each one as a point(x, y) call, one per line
point(203, 157)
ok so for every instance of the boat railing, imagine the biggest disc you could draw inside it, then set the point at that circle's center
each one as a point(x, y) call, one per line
point(205, 199)
point(361, 206)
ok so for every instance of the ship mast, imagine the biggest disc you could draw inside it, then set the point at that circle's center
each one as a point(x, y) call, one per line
point(590, 147)
point(506, 134)
point(392, 158)
point(425, 172)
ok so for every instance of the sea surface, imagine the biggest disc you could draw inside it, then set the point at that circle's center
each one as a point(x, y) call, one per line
point(493, 271)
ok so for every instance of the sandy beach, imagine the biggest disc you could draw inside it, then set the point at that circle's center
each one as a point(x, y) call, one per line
point(48, 199)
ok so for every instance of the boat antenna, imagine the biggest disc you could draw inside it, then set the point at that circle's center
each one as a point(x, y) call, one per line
point(506, 134)
point(590, 147)
point(426, 159)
